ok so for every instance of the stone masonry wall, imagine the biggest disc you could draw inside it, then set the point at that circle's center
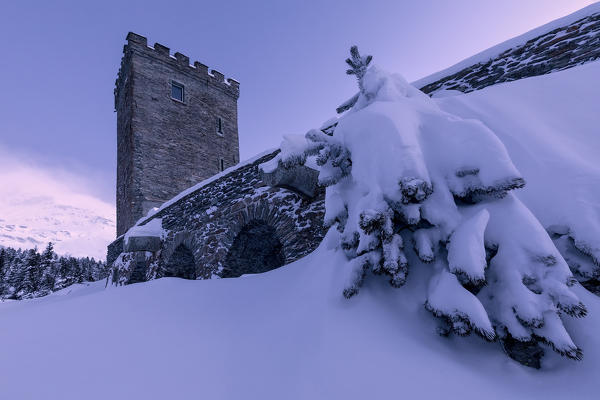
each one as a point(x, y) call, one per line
point(114, 249)
point(164, 145)
point(208, 220)
point(127, 207)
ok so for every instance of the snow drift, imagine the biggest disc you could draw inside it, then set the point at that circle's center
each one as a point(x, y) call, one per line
point(285, 334)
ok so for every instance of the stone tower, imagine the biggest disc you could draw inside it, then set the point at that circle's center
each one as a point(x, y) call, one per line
point(176, 126)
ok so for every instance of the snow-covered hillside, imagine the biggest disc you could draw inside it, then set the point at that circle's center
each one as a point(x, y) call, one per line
point(38, 207)
point(285, 334)
point(290, 333)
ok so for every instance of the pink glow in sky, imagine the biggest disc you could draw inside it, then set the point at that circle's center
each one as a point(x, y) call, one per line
point(40, 206)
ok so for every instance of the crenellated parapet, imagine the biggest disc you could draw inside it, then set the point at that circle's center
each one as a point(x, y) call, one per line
point(138, 43)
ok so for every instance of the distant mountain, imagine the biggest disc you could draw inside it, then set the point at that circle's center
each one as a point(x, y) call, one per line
point(37, 208)
point(38, 220)
point(35, 221)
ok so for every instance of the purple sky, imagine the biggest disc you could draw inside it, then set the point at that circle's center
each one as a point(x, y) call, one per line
point(60, 60)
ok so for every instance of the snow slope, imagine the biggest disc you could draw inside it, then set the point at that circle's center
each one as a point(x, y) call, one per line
point(285, 334)
point(550, 126)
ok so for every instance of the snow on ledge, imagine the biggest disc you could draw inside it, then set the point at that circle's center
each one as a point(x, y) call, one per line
point(151, 228)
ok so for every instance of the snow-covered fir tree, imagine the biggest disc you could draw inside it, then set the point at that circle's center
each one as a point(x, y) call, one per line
point(410, 186)
point(2, 266)
point(28, 274)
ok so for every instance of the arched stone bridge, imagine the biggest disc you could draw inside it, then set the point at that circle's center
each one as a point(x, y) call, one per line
point(227, 226)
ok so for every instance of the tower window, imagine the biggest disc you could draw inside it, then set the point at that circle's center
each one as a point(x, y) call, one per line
point(221, 164)
point(177, 92)
point(220, 126)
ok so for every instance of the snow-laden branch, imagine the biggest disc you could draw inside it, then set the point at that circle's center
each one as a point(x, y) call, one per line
point(404, 177)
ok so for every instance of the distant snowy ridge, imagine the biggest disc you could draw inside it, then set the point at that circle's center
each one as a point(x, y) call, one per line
point(560, 44)
point(37, 207)
point(72, 229)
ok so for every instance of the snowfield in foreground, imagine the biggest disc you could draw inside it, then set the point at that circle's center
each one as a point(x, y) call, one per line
point(285, 334)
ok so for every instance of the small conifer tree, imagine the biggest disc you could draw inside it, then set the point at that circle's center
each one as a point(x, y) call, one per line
point(409, 185)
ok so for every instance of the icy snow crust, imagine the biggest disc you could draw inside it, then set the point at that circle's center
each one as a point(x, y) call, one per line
point(285, 334)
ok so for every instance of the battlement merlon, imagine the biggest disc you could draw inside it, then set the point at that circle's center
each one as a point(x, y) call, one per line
point(135, 38)
point(181, 61)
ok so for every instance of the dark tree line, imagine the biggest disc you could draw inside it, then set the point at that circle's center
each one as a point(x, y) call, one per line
point(28, 273)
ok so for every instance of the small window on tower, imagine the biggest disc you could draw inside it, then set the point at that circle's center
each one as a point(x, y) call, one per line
point(222, 164)
point(177, 91)
point(220, 126)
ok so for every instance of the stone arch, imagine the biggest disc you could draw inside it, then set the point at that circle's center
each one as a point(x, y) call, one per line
point(178, 257)
point(181, 264)
point(257, 220)
point(255, 249)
